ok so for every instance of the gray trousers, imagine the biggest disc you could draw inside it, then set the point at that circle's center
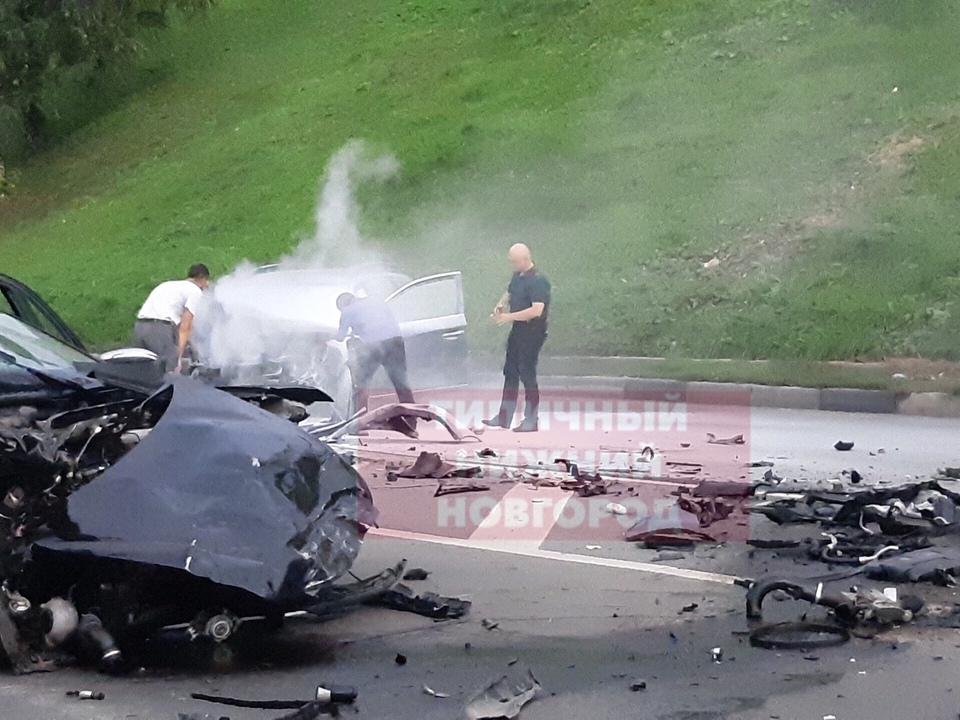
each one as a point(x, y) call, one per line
point(163, 338)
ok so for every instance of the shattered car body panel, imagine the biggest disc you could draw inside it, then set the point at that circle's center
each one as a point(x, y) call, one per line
point(228, 493)
point(148, 508)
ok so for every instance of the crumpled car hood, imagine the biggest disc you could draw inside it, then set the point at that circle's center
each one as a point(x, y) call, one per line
point(228, 492)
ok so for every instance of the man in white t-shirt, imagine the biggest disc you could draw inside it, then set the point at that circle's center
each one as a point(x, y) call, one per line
point(165, 321)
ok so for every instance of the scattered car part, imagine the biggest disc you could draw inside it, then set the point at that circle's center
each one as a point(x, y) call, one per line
point(706, 510)
point(735, 440)
point(428, 604)
point(504, 698)
point(843, 446)
point(98, 642)
point(396, 417)
point(416, 574)
point(851, 608)
point(459, 486)
point(339, 597)
point(927, 564)
point(798, 636)
point(427, 690)
point(667, 537)
point(325, 698)
point(86, 694)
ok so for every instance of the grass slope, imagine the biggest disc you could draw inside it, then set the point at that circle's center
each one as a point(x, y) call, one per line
point(810, 145)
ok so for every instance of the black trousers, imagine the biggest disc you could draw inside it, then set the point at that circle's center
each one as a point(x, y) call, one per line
point(523, 354)
point(391, 355)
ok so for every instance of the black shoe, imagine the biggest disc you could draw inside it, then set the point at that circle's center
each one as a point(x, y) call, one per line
point(495, 423)
point(527, 426)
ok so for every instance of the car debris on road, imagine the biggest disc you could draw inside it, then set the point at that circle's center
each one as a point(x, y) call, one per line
point(504, 698)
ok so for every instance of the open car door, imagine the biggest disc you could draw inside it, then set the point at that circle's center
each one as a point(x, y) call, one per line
point(21, 302)
point(430, 312)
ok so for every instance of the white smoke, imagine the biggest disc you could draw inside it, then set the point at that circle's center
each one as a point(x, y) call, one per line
point(250, 317)
point(337, 241)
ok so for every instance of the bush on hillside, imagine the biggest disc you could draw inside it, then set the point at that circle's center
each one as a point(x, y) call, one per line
point(46, 44)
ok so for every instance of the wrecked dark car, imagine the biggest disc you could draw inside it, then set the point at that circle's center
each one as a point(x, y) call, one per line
point(127, 507)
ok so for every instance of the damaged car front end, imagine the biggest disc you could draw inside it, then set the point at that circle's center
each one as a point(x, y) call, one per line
point(125, 510)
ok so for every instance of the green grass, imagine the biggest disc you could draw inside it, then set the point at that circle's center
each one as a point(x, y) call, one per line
point(628, 142)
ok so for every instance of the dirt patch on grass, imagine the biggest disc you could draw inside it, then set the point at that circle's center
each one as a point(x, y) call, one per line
point(910, 373)
point(775, 244)
point(920, 369)
point(892, 155)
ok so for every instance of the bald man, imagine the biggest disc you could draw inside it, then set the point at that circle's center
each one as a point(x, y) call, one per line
point(528, 300)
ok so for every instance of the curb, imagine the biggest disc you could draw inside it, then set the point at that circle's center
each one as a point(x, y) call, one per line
point(613, 374)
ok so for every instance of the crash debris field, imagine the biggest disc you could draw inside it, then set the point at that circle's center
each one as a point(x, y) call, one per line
point(138, 522)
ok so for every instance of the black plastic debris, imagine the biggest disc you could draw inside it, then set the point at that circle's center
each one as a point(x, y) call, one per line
point(667, 537)
point(936, 565)
point(721, 488)
point(504, 698)
point(416, 574)
point(843, 446)
point(400, 659)
point(638, 685)
point(798, 636)
point(428, 604)
point(773, 544)
point(325, 698)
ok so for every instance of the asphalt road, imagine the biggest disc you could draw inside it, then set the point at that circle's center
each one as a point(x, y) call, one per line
point(586, 620)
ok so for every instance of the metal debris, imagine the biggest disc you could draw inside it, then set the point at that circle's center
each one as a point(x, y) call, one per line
point(504, 698)
point(85, 694)
point(735, 440)
point(401, 418)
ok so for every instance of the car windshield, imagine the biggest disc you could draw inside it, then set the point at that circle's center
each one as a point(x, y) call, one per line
point(22, 345)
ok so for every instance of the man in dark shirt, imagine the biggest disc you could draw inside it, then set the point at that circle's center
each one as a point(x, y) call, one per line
point(379, 344)
point(528, 299)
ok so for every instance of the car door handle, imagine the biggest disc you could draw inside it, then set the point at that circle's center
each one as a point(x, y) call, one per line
point(452, 335)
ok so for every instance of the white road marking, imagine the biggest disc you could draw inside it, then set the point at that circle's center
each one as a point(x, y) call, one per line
point(533, 550)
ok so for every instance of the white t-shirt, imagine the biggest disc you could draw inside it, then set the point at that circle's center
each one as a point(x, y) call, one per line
point(169, 299)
